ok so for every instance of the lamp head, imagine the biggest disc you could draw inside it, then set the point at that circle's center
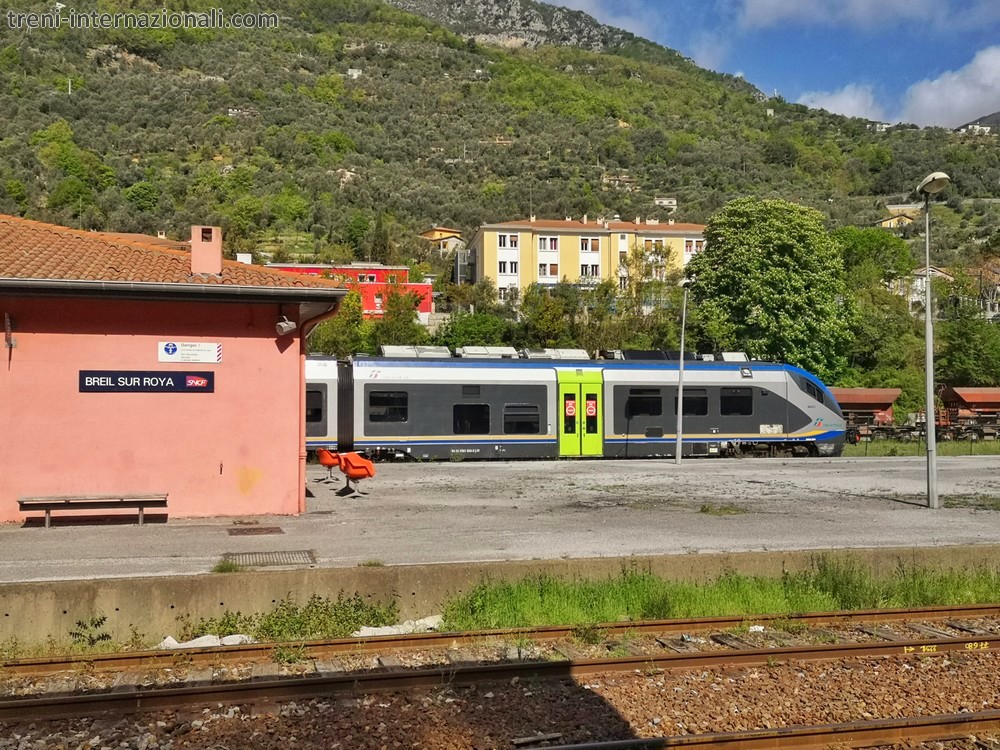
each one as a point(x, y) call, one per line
point(686, 281)
point(933, 183)
point(285, 326)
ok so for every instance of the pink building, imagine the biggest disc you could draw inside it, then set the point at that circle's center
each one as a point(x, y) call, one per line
point(132, 366)
point(373, 281)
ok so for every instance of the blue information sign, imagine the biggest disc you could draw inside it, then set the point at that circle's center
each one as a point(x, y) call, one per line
point(145, 381)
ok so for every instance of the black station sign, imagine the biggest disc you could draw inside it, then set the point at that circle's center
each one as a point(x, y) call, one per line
point(146, 381)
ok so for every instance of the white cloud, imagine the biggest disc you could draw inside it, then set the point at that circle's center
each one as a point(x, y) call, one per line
point(872, 15)
point(854, 100)
point(956, 97)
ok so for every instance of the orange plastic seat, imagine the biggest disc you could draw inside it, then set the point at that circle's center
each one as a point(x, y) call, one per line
point(330, 460)
point(355, 468)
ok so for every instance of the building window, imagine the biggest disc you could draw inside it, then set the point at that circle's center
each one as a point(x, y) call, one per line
point(378, 301)
point(392, 279)
point(651, 245)
point(595, 270)
point(590, 244)
point(623, 282)
point(371, 278)
point(471, 419)
point(388, 406)
point(521, 419)
point(507, 240)
point(584, 270)
point(502, 293)
point(502, 266)
point(513, 266)
point(543, 269)
point(554, 269)
point(548, 243)
point(736, 402)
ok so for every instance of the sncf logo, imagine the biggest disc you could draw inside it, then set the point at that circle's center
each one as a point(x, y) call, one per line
point(193, 381)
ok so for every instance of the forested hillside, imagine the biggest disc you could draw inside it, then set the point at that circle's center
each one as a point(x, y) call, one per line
point(354, 116)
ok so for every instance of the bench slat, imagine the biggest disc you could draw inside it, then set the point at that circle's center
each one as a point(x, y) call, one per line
point(95, 505)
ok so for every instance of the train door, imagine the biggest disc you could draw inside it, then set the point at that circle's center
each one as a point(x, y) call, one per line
point(581, 413)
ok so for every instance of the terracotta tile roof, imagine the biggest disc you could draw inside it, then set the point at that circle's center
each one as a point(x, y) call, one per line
point(595, 226)
point(33, 250)
point(875, 396)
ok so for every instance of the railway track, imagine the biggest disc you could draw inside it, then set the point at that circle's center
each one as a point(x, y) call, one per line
point(331, 648)
point(331, 682)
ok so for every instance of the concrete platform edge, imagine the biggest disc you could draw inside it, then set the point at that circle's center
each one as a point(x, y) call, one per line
point(35, 611)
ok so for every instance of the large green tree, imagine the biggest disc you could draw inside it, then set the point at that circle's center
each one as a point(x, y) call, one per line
point(346, 334)
point(770, 282)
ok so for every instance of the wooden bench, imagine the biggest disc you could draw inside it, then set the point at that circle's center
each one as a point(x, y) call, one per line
point(93, 502)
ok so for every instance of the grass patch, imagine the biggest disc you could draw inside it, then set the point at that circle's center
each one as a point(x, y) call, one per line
point(884, 448)
point(721, 509)
point(320, 617)
point(371, 564)
point(544, 600)
point(227, 566)
point(979, 502)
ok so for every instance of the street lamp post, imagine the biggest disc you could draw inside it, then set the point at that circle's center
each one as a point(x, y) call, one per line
point(931, 184)
point(684, 284)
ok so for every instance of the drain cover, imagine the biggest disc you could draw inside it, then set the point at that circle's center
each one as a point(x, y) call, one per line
point(271, 559)
point(254, 530)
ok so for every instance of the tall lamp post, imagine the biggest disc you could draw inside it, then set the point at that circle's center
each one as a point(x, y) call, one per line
point(931, 184)
point(684, 283)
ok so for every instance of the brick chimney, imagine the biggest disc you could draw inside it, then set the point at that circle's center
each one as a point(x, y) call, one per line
point(206, 250)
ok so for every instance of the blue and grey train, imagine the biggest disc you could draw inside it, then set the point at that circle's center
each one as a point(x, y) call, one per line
point(500, 408)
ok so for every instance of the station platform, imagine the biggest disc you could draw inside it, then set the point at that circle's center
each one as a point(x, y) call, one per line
point(458, 512)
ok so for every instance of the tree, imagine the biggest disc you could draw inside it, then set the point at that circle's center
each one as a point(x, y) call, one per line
point(345, 334)
point(381, 251)
point(399, 324)
point(474, 329)
point(770, 282)
point(969, 345)
point(873, 251)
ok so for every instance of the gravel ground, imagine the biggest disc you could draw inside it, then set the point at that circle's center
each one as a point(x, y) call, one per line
point(605, 707)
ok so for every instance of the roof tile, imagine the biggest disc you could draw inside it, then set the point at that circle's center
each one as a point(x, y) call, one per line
point(34, 250)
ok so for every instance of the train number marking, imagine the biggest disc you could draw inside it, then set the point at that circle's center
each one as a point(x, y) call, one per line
point(977, 646)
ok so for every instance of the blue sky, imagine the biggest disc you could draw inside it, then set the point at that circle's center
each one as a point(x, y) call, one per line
point(929, 62)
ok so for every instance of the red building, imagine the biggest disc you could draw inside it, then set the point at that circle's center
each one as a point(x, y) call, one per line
point(374, 281)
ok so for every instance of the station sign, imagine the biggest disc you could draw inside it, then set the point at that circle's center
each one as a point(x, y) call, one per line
point(146, 381)
point(203, 352)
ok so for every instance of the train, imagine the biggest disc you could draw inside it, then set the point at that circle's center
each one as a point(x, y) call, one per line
point(968, 414)
point(426, 403)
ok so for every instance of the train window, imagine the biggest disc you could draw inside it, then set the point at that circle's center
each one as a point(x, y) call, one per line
point(471, 419)
point(388, 406)
point(644, 402)
point(695, 402)
point(314, 405)
point(521, 419)
point(470, 391)
point(736, 402)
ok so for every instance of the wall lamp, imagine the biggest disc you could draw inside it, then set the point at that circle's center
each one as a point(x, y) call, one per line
point(285, 326)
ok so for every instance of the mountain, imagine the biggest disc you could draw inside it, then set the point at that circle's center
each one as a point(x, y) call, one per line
point(990, 121)
point(526, 23)
point(353, 121)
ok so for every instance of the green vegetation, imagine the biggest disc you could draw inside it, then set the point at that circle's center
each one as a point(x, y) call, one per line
point(320, 617)
point(227, 566)
point(880, 448)
point(371, 564)
point(90, 633)
point(770, 282)
point(830, 585)
point(721, 509)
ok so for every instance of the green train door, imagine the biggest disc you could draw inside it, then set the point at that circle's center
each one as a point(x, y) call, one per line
point(581, 413)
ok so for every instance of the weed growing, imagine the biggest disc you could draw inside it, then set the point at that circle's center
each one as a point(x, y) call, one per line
point(635, 595)
point(227, 566)
point(721, 509)
point(320, 617)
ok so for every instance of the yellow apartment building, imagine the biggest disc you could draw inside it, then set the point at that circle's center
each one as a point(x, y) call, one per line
point(515, 254)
